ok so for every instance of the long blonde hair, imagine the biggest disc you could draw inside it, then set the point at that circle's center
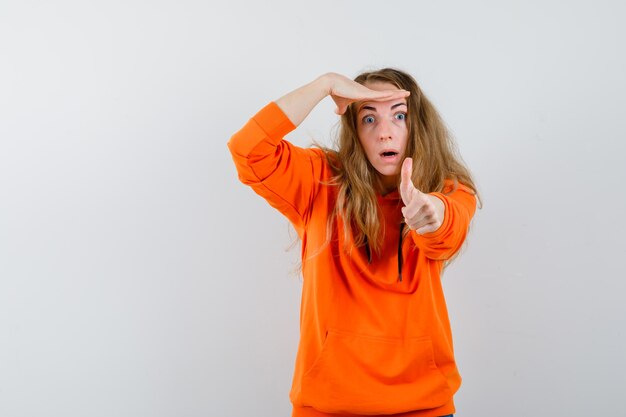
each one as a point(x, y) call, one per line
point(430, 144)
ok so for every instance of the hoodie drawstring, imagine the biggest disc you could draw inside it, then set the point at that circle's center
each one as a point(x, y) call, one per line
point(368, 252)
point(400, 253)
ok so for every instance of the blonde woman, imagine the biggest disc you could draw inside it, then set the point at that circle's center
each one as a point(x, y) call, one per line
point(379, 217)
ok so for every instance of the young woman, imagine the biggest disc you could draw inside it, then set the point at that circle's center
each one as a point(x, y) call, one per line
point(379, 217)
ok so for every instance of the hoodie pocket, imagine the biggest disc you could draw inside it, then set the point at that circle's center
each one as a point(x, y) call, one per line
point(361, 374)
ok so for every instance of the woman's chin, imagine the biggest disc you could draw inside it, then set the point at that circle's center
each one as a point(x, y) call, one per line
point(388, 172)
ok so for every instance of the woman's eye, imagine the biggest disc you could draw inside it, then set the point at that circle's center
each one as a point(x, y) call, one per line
point(368, 119)
point(401, 116)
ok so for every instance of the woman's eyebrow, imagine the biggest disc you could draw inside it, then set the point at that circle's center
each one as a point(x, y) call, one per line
point(372, 108)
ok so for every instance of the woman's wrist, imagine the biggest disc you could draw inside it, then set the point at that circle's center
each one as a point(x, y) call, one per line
point(298, 104)
point(326, 82)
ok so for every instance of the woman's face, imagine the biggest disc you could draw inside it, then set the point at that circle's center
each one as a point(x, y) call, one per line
point(383, 133)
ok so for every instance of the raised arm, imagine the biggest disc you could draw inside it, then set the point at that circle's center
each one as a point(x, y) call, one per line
point(285, 175)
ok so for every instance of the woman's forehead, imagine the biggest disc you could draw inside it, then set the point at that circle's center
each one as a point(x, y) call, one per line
point(381, 105)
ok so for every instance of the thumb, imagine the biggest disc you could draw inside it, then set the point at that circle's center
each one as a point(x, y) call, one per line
point(406, 184)
point(341, 105)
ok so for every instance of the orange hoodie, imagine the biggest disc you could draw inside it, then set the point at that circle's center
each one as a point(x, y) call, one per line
point(375, 336)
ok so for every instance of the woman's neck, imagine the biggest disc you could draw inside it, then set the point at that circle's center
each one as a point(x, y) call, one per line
point(387, 184)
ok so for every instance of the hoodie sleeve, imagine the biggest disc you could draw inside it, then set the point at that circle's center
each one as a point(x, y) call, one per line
point(444, 242)
point(283, 174)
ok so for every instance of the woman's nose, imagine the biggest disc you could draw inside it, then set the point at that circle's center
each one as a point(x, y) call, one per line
point(384, 130)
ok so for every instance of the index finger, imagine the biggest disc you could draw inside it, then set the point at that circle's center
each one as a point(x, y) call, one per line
point(384, 95)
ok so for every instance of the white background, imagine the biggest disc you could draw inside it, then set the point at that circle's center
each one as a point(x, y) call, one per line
point(138, 277)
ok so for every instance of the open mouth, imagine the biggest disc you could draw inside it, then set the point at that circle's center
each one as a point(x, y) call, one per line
point(388, 154)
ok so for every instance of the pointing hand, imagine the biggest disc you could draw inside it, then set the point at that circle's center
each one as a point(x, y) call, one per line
point(422, 212)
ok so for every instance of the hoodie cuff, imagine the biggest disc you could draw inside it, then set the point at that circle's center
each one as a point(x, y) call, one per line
point(269, 125)
point(274, 121)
